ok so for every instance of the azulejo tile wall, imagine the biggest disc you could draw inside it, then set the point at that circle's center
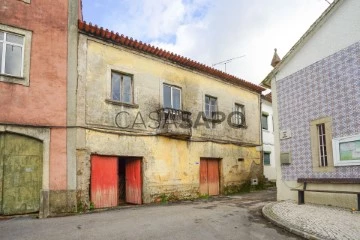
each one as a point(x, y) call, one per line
point(327, 88)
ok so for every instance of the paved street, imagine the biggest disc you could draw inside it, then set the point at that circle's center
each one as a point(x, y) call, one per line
point(235, 217)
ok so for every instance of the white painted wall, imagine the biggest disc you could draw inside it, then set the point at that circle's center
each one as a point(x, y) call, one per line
point(268, 141)
point(341, 29)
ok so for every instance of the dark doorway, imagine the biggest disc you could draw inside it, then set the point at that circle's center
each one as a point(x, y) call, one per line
point(115, 181)
point(122, 180)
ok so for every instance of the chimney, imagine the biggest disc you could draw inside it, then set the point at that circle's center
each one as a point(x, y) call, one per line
point(276, 59)
point(80, 13)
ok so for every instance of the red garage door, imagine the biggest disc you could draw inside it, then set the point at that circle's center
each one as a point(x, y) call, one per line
point(133, 181)
point(209, 176)
point(104, 181)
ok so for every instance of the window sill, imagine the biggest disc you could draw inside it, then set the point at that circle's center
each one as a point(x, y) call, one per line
point(211, 120)
point(238, 125)
point(130, 105)
point(13, 79)
point(323, 169)
point(25, 1)
point(11, 76)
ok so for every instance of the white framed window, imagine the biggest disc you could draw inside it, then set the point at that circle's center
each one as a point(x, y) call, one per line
point(15, 55)
point(346, 150)
point(171, 97)
point(12, 54)
point(211, 107)
point(239, 114)
point(121, 87)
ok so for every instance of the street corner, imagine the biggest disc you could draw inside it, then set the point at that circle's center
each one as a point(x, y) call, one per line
point(313, 221)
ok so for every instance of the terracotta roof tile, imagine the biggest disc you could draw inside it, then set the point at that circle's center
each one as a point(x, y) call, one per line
point(268, 97)
point(95, 31)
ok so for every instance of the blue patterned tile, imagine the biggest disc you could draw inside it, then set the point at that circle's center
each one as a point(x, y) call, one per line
point(327, 88)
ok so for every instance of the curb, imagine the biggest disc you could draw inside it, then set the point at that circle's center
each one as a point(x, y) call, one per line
point(268, 213)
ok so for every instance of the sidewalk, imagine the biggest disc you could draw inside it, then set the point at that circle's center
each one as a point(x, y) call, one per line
point(314, 221)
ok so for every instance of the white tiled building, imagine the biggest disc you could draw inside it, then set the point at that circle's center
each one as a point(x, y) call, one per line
point(316, 92)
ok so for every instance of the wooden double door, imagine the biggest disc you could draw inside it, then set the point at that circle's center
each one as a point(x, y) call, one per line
point(21, 160)
point(209, 176)
point(115, 180)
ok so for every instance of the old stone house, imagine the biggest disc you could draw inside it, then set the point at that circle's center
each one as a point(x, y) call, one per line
point(316, 92)
point(150, 127)
point(91, 116)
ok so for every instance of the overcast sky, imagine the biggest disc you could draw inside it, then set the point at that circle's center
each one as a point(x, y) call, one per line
point(211, 31)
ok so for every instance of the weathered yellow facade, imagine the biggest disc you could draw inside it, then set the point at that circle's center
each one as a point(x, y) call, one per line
point(170, 165)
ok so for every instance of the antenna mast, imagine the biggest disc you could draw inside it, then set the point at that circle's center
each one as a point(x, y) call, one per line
point(227, 61)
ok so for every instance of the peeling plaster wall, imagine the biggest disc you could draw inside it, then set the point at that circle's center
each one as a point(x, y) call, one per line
point(169, 165)
point(96, 59)
point(42, 103)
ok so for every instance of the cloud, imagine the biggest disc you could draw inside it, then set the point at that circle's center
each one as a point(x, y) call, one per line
point(212, 31)
point(146, 20)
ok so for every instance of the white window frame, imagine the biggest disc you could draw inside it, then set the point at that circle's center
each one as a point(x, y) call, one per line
point(24, 79)
point(4, 43)
point(211, 117)
point(172, 87)
point(237, 118)
point(336, 151)
point(121, 87)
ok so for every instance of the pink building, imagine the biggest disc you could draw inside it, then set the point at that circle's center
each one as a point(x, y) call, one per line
point(38, 45)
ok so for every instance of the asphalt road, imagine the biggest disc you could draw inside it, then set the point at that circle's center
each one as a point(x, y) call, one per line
point(234, 217)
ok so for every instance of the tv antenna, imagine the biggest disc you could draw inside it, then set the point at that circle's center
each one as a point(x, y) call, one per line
point(227, 61)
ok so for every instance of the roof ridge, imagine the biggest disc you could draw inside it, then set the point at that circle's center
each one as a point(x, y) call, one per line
point(301, 40)
point(161, 53)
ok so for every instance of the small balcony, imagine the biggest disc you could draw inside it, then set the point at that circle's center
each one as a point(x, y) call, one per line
point(174, 123)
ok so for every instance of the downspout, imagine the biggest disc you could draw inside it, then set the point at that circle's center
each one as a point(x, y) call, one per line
point(261, 137)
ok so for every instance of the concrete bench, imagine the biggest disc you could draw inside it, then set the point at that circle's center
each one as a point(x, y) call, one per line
point(305, 181)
